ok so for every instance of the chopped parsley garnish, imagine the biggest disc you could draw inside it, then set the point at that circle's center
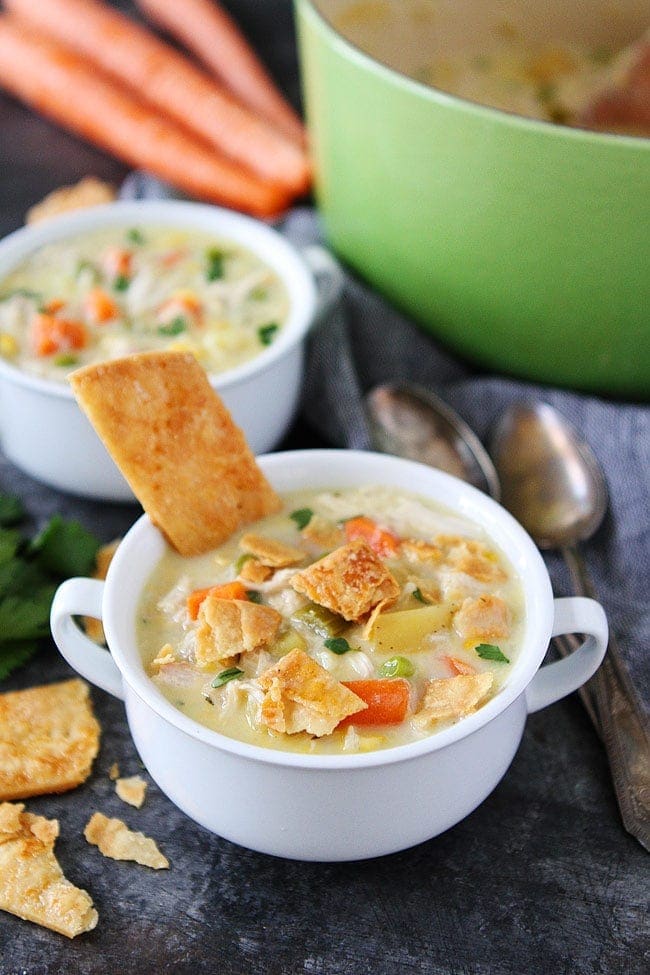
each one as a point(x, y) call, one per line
point(488, 651)
point(302, 517)
point(266, 333)
point(232, 673)
point(66, 359)
point(135, 236)
point(417, 594)
point(254, 596)
point(30, 572)
point(397, 667)
point(214, 264)
point(175, 327)
point(121, 282)
point(337, 644)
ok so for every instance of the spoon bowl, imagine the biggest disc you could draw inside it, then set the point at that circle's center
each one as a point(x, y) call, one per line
point(550, 479)
point(409, 421)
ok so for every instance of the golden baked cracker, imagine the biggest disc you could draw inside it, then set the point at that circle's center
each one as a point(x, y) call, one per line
point(482, 618)
point(302, 696)
point(115, 840)
point(132, 790)
point(253, 571)
point(49, 737)
point(93, 627)
point(270, 552)
point(231, 626)
point(449, 698)
point(320, 531)
point(417, 550)
point(350, 581)
point(32, 884)
point(476, 560)
point(175, 442)
point(88, 192)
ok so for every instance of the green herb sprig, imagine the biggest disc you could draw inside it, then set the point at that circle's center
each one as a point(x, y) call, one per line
point(488, 651)
point(30, 571)
point(232, 673)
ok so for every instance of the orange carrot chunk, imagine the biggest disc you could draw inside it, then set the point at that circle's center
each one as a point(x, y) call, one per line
point(55, 304)
point(169, 81)
point(66, 88)
point(383, 542)
point(227, 590)
point(207, 30)
point(99, 307)
point(387, 701)
point(49, 335)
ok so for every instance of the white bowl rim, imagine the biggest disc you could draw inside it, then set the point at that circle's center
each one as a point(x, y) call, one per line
point(183, 213)
point(536, 586)
point(446, 98)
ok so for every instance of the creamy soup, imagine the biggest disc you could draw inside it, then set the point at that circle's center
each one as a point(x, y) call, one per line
point(353, 620)
point(119, 290)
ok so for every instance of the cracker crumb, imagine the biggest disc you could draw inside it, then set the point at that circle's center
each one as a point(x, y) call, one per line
point(132, 790)
point(115, 840)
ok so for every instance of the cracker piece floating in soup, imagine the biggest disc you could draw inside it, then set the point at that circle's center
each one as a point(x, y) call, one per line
point(32, 883)
point(255, 571)
point(417, 550)
point(450, 698)
point(115, 840)
point(349, 581)
point(483, 618)
point(232, 626)
point(132, 790)
point(49, 738)
point(270, 552)
point(300, 695)
point(177, 445)
point(475, 560)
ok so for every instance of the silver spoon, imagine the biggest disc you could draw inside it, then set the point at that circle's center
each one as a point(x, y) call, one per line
point(409, 421)
point(553, 484)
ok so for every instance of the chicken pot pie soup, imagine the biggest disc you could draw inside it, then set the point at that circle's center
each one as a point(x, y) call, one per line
point(119, 290)
point(353, 620)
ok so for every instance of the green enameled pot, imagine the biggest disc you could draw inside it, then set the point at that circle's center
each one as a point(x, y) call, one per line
point(520, 244)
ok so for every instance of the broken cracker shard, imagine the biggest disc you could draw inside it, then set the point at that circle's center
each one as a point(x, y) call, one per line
point(114, 839)
point(32, 884)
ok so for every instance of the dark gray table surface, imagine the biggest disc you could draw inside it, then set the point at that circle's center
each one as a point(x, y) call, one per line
point(541, 878)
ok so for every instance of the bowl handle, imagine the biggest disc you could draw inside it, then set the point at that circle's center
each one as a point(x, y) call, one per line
point(329, 280)
point(83, 597)
point(556, 680)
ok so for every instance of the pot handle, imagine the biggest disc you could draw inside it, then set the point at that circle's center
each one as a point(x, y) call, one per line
point(556, 680)
point(83, 597)
point(329, 280)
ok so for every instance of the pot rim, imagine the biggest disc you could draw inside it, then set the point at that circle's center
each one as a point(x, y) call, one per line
point(446, 99)
point(291, 469)
point(298, 279)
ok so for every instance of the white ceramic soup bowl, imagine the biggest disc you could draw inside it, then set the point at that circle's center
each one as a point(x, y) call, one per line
point(331, 807)
point(42, 429)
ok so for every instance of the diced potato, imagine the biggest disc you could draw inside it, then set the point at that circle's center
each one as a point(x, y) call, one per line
point(406, 630)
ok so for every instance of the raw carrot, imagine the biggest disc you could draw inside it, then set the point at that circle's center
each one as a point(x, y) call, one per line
point(49, 335)
point(382, 542)
point(209, 32)
point(227, 590)
point(56, 83)
point(168, 80)
point(387, 701)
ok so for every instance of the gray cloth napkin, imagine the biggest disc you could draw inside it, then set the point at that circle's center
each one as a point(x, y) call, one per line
point(366, 341)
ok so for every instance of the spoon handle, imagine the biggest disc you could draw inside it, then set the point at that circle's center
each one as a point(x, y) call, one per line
point(623, 726)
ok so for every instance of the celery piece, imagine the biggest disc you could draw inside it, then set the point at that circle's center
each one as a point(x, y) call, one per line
point(320, 620)
point(289, 640)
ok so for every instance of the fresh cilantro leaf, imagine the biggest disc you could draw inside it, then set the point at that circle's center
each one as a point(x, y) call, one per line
point(121, 282)
point(135, 236)
point(266, 333)
point(19, 576)
point(175, 327)
point(10, 540)
point(487, 651)
point(214, 264)
point(14, 654)
point(337, 644)
point(302, 517)
point(417, 594)
point(11, 510)
point(254, 596)
point(65, 548)
point(26, 617)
